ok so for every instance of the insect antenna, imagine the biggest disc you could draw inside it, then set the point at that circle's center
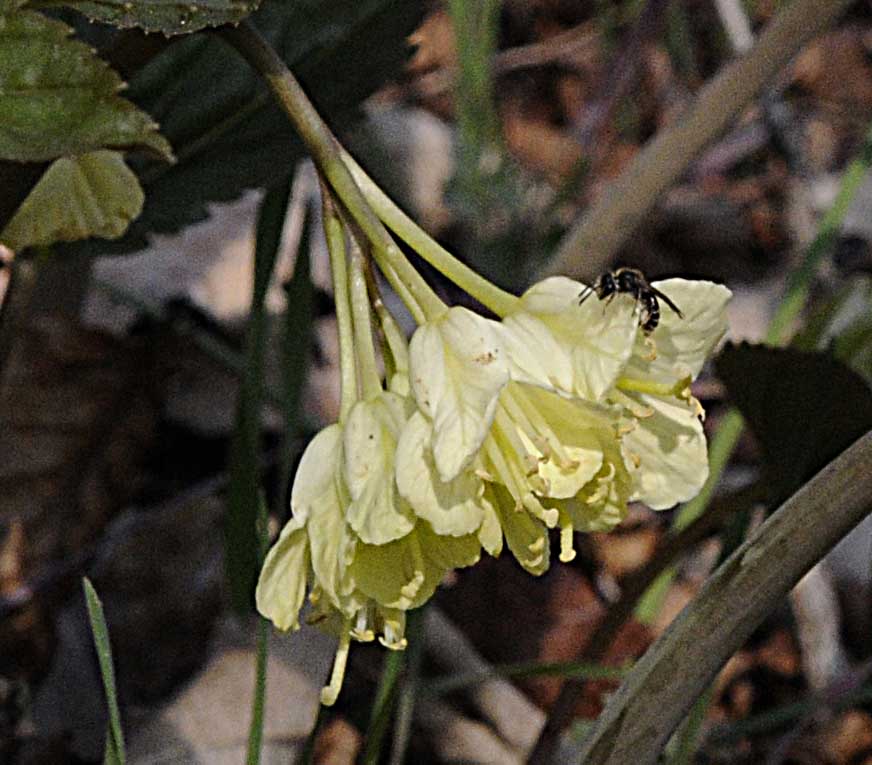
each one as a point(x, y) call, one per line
point(666, 300)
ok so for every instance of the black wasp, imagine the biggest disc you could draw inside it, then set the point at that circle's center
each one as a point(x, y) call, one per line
point(631, 281)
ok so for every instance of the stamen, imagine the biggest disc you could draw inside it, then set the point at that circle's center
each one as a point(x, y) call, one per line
point(634, 407)
point(484, 475)
point(394, 628)
point(509, 425)
point(330, 693)
point(654, 388)
point(362, 631)
point(548, 516)
point(560, 457)
point(505, 474)
point(410, 589)
point(567, 550)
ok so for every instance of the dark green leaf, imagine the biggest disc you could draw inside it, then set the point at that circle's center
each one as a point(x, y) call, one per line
point(114, 735)
point(804, 408)
point(58, 98)
point(93, 194)
point(167, 16)
point(227, 132)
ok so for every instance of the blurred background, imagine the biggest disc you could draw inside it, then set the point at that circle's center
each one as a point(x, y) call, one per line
point(150, 387)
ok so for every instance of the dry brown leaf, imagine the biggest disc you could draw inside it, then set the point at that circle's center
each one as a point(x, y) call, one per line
point(624, 551)
point(848, 737)
point(338, 743)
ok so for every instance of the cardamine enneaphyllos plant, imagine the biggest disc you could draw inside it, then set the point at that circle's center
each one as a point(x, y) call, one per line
point(481, 431)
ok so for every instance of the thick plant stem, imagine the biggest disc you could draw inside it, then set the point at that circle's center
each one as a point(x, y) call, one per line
point(590, 244)
point(325, 151)
point(339, 270)
point(654, 698)
point(488, 294)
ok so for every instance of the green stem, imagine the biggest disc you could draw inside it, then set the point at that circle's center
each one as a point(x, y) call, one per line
point(383, 708)
point(326, 153)
point(338, 267)
point(258, 707)
point(394, 345)
point(488, 294)
point(370, 379)
point(408, 693)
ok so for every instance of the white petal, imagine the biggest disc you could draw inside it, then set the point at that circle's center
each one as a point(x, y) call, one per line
point(670, 448)
point(458, 369)
point(377, 513)
point(323, 503)
point(683, 344)
point(317, 470)
point(281, 587)
point(580, 349)
point(453, 508)
point(406, 572)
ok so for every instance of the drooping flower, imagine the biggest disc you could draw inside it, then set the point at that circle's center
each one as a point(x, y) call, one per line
point(573, 412)
point(518, 449)
point(354, 540)
point(458, 369)
point(604, 355)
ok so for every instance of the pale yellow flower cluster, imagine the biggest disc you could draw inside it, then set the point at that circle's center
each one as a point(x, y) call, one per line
point(556, 416)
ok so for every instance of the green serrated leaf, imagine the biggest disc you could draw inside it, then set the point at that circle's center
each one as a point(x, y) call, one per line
point(167, 16)
point(58, 98)
point(228, 134)
point(92, 195)
point(804, 407)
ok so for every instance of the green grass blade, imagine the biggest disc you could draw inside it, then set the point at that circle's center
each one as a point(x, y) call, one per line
point(241, 538)
point(258, 704)
point(567, 670)
point(296, 343)
point(114, 752)
point(383, 707)
point(408, 692)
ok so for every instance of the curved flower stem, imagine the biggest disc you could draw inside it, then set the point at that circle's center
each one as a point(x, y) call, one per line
point(338, 268)
point(404, 293)
point(370, 379)
point(394, 343)
point(326, 153)
point(488, 294)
